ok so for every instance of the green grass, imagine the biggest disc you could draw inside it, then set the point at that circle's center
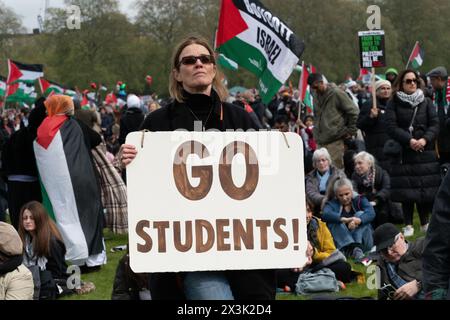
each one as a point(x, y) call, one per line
point(354, 289)
point(104, 278)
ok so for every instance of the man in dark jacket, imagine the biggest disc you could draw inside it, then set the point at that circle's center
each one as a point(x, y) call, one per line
point(436, 256)
point(132, 119)
point(439, 78)
point(400, 264)
point(336, 117)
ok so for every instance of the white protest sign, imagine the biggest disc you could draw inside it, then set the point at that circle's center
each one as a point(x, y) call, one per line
point(216, 201)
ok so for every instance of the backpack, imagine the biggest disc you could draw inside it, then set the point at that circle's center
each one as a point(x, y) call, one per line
point(323, 280)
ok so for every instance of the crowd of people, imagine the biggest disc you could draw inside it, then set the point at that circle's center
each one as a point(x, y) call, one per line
point(369, 162)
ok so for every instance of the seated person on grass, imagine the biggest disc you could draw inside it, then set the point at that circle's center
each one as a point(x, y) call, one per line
point(349, 216)
point(400, 264)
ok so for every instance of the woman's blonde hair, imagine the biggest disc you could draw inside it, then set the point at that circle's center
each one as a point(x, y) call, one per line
point(176, 87)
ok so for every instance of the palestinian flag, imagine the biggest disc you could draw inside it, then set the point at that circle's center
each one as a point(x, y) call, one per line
point(303, 82)
point(49, 88)
point(416, 58)
point(227, 63)
point(85, 103)
point(69, 186)
point(2, 85)
point(22, 71)
point(257, 40)
point(448, 90)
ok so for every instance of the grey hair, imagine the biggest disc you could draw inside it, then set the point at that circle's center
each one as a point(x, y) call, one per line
point(341, 183)
point(365, 156)
point(322, 152)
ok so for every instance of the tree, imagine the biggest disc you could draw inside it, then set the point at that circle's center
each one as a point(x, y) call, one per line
point(10, 25)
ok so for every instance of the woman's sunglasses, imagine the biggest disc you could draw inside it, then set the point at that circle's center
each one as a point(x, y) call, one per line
point(190, 60)
point(411, 81)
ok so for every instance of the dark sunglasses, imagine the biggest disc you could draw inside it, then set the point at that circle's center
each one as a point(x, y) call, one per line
point(411, 81)
point(190, 60)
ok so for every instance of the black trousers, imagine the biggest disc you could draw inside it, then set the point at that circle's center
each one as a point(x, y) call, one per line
point(424, 209)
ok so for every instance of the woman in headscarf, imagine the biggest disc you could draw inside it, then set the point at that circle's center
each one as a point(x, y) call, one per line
point(70, 188)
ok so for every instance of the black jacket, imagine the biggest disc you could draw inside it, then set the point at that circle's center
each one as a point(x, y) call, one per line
point(374, 130)
point(245, 284)
point(409, 266)
point(130, 121)
point(436, 256)
point(416, 178)
point(380, 193)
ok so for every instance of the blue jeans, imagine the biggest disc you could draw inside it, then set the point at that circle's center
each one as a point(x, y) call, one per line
point(207, 285)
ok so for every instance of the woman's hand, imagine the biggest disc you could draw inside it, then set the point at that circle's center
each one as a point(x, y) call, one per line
point(127, 153)
point(418, 145)
point(422, 142)
point(309, 254)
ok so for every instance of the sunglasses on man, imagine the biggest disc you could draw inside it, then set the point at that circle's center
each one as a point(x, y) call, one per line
point(191, 60)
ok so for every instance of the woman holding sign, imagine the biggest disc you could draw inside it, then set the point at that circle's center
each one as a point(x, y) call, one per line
point(198, 93)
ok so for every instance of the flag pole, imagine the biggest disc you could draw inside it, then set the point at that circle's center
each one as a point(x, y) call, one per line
point(300, 86)
point(374, 91)
point(409, 59)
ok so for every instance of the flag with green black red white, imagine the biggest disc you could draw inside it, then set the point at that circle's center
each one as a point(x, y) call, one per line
point(49, 87)
point(257, 40)
point(69, 187)
point(416, 57)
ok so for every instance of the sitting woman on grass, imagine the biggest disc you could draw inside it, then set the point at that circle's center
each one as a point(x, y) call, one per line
point(44, 248)
point(349, 216)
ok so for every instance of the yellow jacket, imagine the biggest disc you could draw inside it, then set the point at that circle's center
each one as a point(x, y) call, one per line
point(325, 242)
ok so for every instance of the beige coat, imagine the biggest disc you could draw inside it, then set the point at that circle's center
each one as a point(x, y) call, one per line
point(17, 284)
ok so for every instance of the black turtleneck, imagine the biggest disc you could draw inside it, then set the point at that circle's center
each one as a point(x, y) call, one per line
point(201, 107)
point(179, 115)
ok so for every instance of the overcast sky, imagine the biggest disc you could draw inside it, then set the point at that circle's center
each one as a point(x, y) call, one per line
point(28, 10)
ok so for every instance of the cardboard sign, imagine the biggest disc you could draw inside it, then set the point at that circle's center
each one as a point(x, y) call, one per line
point(216, 201)
point(371, 47)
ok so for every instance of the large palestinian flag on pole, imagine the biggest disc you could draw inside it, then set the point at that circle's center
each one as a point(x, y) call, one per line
point(22, 71)
point(70, 190)
point(257, 40)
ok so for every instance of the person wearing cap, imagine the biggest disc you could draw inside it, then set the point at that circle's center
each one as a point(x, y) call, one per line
point(391, 75)
point(439, 81)
point(372, 122)
point(399, 262)
point(336, 117)
point(16, 281)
